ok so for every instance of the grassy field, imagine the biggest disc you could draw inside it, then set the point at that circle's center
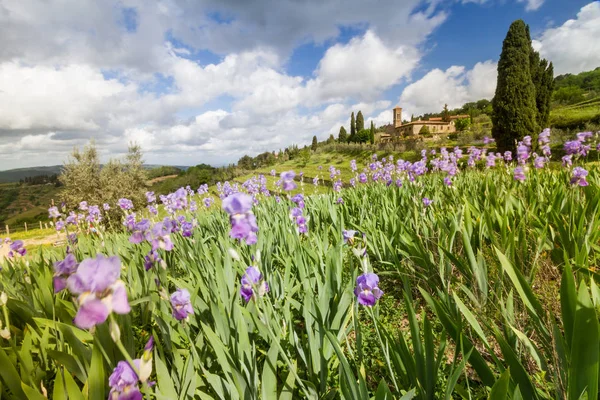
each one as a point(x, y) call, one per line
point(576, 116)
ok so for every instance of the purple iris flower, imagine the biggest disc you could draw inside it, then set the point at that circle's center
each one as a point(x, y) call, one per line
point(60, 225)
point(353, 166)
point(53, 212)
point(367, 290)
point(151, 259)
point(253, 280)
point(546, 151)
point(243, 221)
point(152, 210)
point(490, 160)
point(186, 229)
point(339, 201)
point(544, 137)
point(17, 247)
point(519, 174)
point(150, 197)
point(125, 204)
point(106, 207)
point(207, 202)
point(100, 290)
point(447, 181)
point(488, 140)
point(427, 202)
point(579, 175)
point(316, 181)
point(182, 307)
point(538, 162)
point(124, 382)
point(348, 235)
point(273, 172)
point(573, 147)
point(567, 160)
point(399, 182)
point(299, 200)
point(140, 229)
point(72, 218)
point(160, 237)
point(583, 136)
point(83, 206)
point(62, 270)
point(522, 153)
point(527, 141)
point(287, 179)
point(362, 178)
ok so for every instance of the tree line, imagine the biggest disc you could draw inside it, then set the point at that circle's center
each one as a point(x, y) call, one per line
point(358, 133)
point(40, 180)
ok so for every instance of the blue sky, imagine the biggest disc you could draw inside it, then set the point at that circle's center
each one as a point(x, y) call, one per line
point(212, 80)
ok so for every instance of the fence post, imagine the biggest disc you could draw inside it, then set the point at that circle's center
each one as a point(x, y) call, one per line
point(7, 231)
point(25, 226)
point(40, 225)
point(46, 225)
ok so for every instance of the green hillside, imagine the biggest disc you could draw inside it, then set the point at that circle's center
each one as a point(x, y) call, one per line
point(25, 203)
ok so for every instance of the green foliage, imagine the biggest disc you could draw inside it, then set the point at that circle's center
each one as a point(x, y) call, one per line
point(305, 156)
point(462, 124)
point(363, 136)
point(342, 136)
point(84, 179)
point(314, 144)
point(446, 114)
point(424, 130)
point(514, 103)
point(352, 127)
point(360, 122)
point(542, 76)
point(161, 171)
point(571, 89)
point(372, 133)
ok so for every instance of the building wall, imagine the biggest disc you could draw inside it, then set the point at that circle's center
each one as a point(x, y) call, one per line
point(413, 129)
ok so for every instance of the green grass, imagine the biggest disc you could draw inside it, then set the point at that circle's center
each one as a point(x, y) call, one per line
point(575, 118)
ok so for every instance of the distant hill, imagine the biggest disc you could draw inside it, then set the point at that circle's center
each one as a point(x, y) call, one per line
point(15, 175)
point(572, 89)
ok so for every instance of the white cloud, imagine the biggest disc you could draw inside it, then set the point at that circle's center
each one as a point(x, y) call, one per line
point(573, 47)
point(363, 67)
point(71, 70)
point(532, 5)
point(72, 97)
point(454, 87)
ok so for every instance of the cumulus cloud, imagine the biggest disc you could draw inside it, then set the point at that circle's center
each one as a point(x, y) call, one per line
point(363, 67)
point(454, 86)
point(573, 47)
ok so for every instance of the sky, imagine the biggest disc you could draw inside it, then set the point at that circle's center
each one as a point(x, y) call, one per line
point(209, 81)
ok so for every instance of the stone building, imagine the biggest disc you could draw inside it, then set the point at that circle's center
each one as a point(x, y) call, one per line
point(435, 125)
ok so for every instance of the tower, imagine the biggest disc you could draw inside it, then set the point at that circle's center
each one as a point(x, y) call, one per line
point(397, 116)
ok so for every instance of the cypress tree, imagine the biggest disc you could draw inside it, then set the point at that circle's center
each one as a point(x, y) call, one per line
point(445, 114)
point(543, 80)
point(514, 104)
point(360, 121)
point(342, 136)
point(372, 133)
point(352, 128)
point(314, 144)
